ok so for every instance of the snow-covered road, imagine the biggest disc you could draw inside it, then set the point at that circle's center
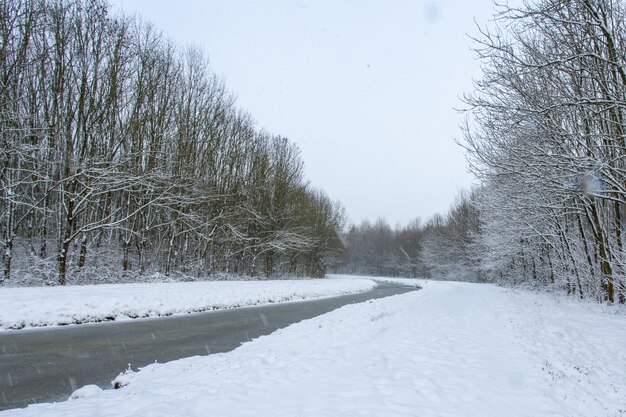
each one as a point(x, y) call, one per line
point(452, 349)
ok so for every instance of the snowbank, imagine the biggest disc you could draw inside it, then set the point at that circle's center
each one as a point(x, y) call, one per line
point(409, 282)
point(451, 349)
point(51, 306)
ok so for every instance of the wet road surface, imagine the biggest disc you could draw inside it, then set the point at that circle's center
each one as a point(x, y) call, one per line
point(46, 365)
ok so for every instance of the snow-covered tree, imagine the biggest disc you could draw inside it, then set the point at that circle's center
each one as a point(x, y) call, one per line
point(546, 136)
point(119, 148)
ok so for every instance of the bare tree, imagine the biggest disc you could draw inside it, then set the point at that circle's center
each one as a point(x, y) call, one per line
point(545, 134)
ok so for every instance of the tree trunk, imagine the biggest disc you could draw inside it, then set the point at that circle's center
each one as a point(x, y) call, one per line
point(126, 260)
point(82, 259)
point(269, 264)
point(65, 245)
point(140, 244)
point(170, 253)
point(7, 257)
point(605, 264)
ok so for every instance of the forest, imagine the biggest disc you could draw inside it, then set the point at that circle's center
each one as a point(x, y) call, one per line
point(545, 136)
point(123, 154)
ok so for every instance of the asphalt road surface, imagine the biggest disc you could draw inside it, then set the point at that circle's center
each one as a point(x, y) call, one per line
point(46, 365)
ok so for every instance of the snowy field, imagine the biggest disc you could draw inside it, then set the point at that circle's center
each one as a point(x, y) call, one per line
point(52, 306)
point(451, 349)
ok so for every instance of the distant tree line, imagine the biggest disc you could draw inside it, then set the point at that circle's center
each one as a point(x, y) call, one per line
point(119, 148)
point(377, 249)
point(439, 248)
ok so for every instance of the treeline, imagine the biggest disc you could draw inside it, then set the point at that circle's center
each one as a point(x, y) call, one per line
point(546, 135)
point(440, 248)
point(378, 250)
point(119, 148)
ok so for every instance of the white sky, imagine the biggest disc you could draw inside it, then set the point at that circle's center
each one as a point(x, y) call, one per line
point(367, 89)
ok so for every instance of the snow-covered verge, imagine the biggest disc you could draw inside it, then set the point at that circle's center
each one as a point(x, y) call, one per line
point(51, 306)
point(40, 273)
point(408, 282)
point(451, 349)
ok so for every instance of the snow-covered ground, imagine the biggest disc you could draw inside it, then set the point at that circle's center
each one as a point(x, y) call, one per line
point(409, 282)
point(451, 349)
point(51, 306)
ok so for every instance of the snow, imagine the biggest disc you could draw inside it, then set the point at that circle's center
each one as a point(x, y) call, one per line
point(450, 349)
point(53, 306)
point(408, 282)
point(86, 391)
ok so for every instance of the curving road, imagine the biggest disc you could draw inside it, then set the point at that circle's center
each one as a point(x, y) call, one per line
point(46, 365)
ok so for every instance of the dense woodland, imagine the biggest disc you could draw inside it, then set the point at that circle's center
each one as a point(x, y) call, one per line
point(122, 153)
point(545, 135)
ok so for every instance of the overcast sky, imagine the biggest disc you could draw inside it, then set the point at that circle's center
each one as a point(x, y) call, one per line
point(367, 89)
